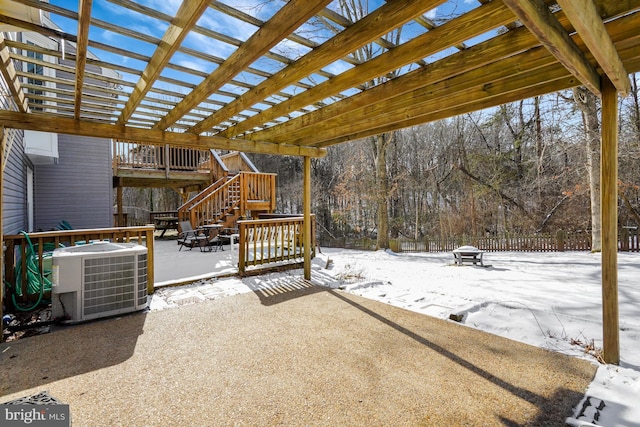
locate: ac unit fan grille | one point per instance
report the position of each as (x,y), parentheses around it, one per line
(109,285)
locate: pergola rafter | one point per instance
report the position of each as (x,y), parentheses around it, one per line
(476,22)
(585,19)
(84,17)
(537,17)
(290,17)
(371,27)
(185,19)
(303,103)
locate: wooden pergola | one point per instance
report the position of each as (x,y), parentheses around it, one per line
(285,79)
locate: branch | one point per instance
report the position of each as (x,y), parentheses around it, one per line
(627,203)
(500,193)
(551,212)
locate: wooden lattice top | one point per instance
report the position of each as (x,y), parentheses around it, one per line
(295,76)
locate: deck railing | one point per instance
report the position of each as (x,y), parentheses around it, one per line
(17,246)
(270,242)
(257,187)
(137,155)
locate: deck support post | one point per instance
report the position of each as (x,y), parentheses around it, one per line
(148,235)
(119,203)
(609,222)
(306,201)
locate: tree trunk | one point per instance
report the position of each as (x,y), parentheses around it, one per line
(635,105)
(539,148)
(380,143)
(587,103)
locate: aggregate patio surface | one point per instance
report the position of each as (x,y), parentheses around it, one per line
(292,354)
(172,265)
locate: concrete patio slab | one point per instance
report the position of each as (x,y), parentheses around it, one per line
(175,266)
(292,354)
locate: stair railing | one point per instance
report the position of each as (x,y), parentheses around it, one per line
(183,211)
(214,204)
(226,200)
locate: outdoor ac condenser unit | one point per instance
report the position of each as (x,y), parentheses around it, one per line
(98,280)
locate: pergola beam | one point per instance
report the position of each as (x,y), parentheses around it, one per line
(586,21)
(537,17)
(454,81)
(287,19)
(185,19)
(70,126)
(424,115)
(466,89)
(468,102)
(476,57)
(84,20)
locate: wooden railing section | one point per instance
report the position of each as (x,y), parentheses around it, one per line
(267,242)
(257,188)
(17,247)
(226,200)
(201,197)
(236,162)
(137,155)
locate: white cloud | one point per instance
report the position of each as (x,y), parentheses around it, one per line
(431,14)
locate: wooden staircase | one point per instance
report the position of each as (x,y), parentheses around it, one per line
(231,198)
(230,186)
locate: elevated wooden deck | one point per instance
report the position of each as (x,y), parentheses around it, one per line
(229,186)
(158,166)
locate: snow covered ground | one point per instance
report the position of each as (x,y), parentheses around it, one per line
(550,300)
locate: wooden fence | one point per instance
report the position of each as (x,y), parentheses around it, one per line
(628,241)
(17,247)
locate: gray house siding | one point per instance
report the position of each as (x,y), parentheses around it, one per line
(14,195)
(78,188)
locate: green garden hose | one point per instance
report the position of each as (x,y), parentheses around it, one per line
(38,281)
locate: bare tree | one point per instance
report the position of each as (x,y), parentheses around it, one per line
(587,103)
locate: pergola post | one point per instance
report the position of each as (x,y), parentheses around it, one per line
(609,221)
(306,202)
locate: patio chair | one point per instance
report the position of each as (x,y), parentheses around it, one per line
(188,237)
(214,241)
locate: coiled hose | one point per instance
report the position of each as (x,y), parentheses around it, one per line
(38,281)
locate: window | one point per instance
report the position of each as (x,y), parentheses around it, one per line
(35,65)
(35,68)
